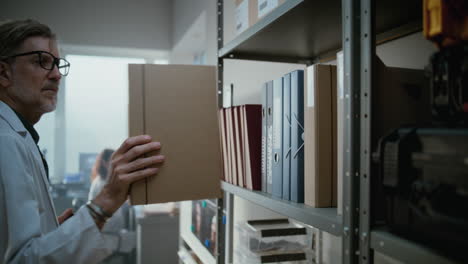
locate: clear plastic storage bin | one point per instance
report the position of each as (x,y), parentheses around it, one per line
(277,235)
(293,257)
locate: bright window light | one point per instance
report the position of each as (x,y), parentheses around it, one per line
(96,105)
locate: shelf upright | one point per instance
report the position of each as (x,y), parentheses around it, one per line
(351,22)
(220,230)
(220,227)
(367,37)
(229,228)
(220,39)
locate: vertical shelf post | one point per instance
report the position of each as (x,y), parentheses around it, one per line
(367,56)
(220,228)
(220,232)
(220,40)
(351,22)
(229,227)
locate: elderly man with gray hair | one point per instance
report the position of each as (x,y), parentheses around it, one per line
(30,73)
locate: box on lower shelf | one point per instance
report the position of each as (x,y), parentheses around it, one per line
(274,241)
(296,257)
(278,235)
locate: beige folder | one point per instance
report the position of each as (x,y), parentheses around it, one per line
(177,105)
(320,137)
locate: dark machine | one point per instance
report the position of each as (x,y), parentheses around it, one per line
(422,171)
(424,177)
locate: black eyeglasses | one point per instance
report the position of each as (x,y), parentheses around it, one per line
(47,61)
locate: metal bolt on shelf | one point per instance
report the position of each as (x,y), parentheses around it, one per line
(364,237)
(346,231)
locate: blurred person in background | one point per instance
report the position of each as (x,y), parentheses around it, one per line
(99,172)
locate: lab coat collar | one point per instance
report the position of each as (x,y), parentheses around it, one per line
(12,119)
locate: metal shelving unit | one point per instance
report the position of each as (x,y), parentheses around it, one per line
(325,219)
(307,31)
(298,41)
(303,31)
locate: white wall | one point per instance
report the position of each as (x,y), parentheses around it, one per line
(249,76)
(410,52)
(185,12)
(194,31)
(143,24)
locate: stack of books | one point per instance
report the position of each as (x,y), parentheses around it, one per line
(241,133)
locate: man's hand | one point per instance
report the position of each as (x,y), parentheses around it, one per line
(127,165)
(65,215)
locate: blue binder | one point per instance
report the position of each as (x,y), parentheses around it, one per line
(297,134)
(286,136)
(277,166)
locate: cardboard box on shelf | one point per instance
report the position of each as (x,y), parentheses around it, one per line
(249,12)
(266,6)
(245,14)
(320,137)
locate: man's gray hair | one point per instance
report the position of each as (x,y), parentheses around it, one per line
(14,32)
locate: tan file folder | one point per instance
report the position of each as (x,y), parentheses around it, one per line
(320,137)
(177,105)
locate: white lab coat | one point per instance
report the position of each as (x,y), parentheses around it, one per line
(29,231)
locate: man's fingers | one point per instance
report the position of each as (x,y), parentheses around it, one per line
(140,164)
(131,142)
(141,150)
(139,175)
